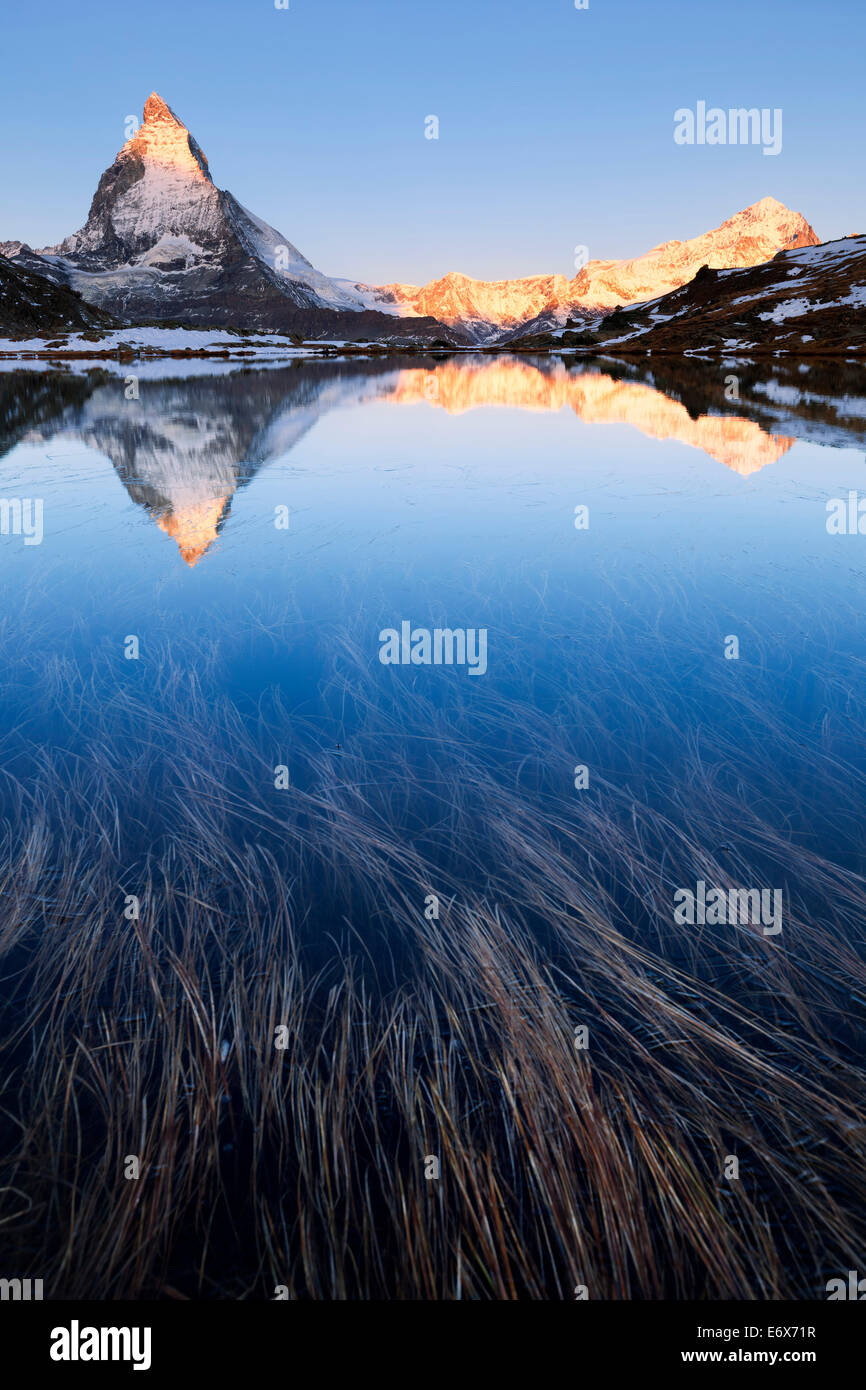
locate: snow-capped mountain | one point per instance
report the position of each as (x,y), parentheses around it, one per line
(162,242)
(805,300)
(500,310)
(482,308)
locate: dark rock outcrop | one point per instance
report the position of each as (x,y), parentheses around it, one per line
(807,301)
(32,306)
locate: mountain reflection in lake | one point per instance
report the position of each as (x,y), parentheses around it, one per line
(286,923)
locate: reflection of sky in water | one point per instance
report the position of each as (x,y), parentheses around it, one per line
(447,505)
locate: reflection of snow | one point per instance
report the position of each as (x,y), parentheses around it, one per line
(852,406)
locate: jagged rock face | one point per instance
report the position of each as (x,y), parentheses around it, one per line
(155,205)
(163,243)
(505,309)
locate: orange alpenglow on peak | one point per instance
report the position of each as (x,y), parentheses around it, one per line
(194,528)
(163,141)
(155,109)
(488,307)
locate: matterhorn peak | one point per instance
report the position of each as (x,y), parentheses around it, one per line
(156,205)
(162,241)
(164,139)
(155,109)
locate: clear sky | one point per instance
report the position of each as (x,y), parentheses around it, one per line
(555,124)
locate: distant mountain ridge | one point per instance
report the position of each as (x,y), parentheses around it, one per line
(482,308)
(502,309)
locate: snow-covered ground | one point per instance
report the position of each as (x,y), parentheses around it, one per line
(796,308)
(267,346)
(212,347)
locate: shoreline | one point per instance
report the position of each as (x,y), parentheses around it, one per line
(317,352)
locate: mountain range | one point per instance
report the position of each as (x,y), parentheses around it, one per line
(162,244)
(500,310)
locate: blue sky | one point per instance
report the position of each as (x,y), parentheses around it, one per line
(556,125)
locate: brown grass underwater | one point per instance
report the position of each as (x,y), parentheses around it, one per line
(409,1037)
